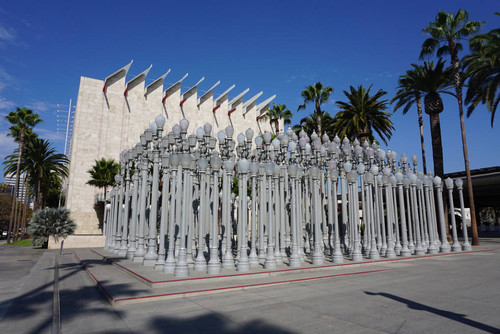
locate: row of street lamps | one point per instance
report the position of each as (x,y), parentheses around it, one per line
(181,205)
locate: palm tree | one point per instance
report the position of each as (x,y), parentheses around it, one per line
(278,111)
(436,80)
(445,35)
(483,71)
(409,93)
(102,173)
(22,121)
(311,124)
(362,115)
(317,95)
(42,164)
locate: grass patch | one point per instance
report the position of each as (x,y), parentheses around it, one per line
(22,243)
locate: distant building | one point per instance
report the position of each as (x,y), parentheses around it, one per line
(10,179)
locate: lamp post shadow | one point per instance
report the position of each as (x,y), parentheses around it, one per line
(462,318)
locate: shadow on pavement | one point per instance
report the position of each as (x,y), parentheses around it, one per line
(446,314)
(211,323)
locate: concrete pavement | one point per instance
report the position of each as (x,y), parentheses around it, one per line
(448,294)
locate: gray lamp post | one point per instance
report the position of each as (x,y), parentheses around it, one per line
(352,177)
(174,162)
(317,257)
(165,193)
(243,262)
(432,249)
(119,215)
(228,260)
(134,215)
(270,262)
(445,246)
(466,245)
(126,214)
(455,247)
(369,181)
(214,265)
(200,262)
(253,258)
(151,256)
(181,267)
(405,251)
(419,250)
(294,256)
(141,251)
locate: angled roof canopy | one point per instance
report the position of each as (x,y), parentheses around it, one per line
(156,83)
(208,92)
(239,96)
(167,91)
(249,102)
(137,79)
(115,74)
(263,106)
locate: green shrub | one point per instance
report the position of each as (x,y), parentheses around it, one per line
(50,222)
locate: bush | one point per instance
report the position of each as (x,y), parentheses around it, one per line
(50,222)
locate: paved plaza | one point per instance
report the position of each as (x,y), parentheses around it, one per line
(457,293)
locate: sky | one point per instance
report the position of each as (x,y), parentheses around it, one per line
(272,46)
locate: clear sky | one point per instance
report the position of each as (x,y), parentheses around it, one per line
(277,47)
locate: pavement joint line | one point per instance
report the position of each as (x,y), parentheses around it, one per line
(271,272)
(56,304)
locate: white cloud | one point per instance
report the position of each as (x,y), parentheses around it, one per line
(6,104)
(40,106)
(48,134)
(7,145)
(6,79)
(7,35)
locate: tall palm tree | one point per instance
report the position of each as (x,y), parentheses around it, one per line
(311,124)
(316,95)
(436,80)
(410,93)
(102,173)
(277,112)
(483,71)
(362,115)
(22,121)
(445,35)
(42,164)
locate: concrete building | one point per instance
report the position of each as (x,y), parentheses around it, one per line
(112,113)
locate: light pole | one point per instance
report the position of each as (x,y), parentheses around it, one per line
(466,245)
(455,247)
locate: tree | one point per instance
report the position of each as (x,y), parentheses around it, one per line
(311,124)
(316,95)
(22,121)
(50,222)
(42,165)
(445,35)
(278,111)
(362,115)
(483,71)
(434,81)
(410,93)
(102,173)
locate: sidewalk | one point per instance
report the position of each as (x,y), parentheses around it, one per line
(457,293)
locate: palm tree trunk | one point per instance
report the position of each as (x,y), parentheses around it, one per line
(25,207)
(421,125)
(277,125)
(16,187)
(458,89)
(437,146)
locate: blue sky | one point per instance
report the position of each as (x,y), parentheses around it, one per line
(272,46)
